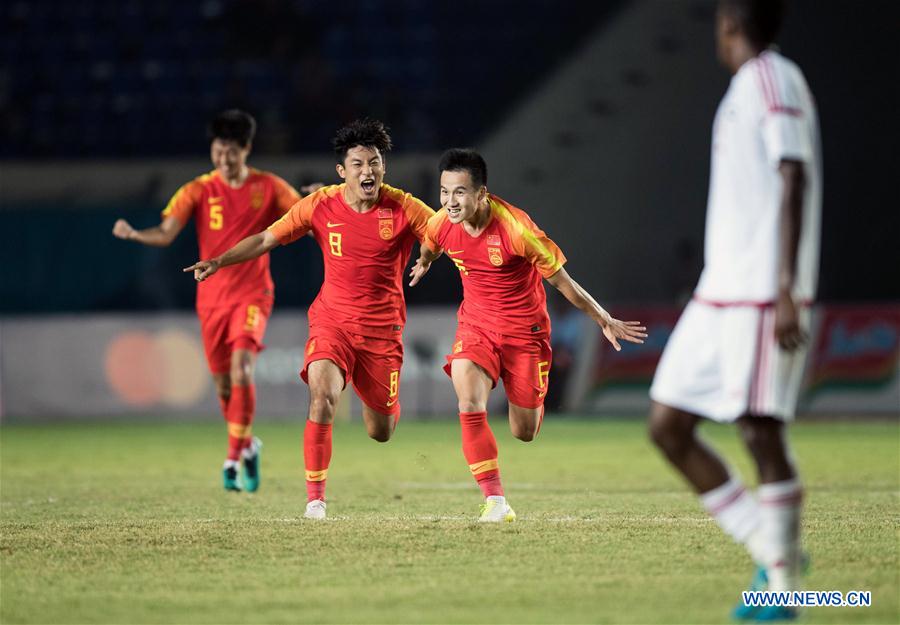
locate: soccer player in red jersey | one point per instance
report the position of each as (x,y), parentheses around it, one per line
(504,328)
(366,231)
(227,204)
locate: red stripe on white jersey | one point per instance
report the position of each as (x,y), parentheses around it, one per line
(768,72)
(763,86)
(757,355)
(786,110)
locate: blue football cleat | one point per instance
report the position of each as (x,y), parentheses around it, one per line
(229,479)
(251,466)
(759,582)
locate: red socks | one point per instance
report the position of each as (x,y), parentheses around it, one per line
(239,409)
(480,449)
(317,457)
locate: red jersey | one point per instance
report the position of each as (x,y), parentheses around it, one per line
(501,269)
(224,216)
(364,253)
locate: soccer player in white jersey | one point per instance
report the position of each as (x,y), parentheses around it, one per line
(738,350)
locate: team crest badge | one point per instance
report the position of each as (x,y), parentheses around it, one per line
(256,196)
(385,226)
(311,347)
(457,347)
(493,240)
(495,256)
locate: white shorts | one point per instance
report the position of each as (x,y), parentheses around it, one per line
(723,362)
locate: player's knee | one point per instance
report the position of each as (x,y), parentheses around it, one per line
(470,404)
(223,388)
(322,403)
(241,372)
(670,437)
(379,433)
(762,436)
(524,432)
(241,376)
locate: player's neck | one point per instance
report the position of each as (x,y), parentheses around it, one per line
(741,52)
(479,221)
(359,204)
(239,180)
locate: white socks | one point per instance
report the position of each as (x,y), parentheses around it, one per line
(734,508)
(779,504)
(770,529)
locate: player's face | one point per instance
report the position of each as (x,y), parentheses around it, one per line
(459,196)
(229,158)
(363,170)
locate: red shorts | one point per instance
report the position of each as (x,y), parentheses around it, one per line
(372,364)
(522,363)
(224,328)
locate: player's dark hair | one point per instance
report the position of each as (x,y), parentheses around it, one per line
(368,133)
(465,159)
(760,20)
(233,125)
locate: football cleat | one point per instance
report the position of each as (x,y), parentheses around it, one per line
(315,510)
(230,478)
(250,474)
(760,582)
(496,510)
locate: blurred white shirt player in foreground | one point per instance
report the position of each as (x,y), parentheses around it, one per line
(738,351)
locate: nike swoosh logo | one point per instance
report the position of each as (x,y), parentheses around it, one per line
(453,253)
(331,225)
(542,394)
(391,403)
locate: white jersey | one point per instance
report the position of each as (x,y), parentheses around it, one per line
(767,115)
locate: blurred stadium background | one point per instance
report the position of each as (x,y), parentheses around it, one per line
(595,117)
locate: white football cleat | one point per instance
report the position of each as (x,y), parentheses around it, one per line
(496,510)
(315,510)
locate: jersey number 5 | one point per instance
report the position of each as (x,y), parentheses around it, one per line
(215,217)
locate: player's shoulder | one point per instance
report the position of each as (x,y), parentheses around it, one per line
(393,197)
(261,175)
(510,216)
(439,221)
(204,181)
(774,79)
(323,194)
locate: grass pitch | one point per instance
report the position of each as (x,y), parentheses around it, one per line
(129,524)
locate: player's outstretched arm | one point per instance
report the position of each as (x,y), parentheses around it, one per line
(423,264)
(158,236)
(613,329)
(252,247)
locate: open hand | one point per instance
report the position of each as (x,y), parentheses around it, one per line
(631,331)
(418,270)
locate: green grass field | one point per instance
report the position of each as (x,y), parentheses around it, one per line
(128,524)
